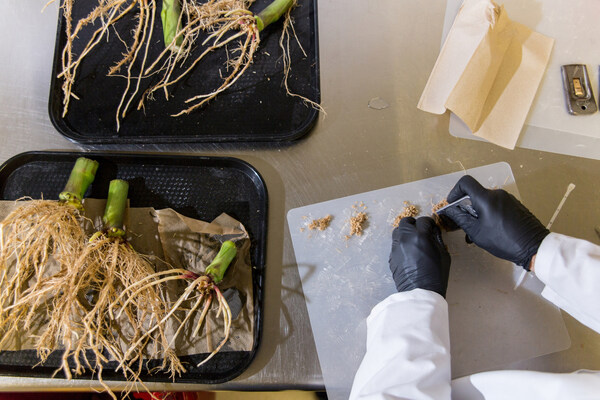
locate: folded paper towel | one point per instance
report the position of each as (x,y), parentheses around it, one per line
(488,72)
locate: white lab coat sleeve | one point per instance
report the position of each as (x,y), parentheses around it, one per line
(408,349)
(527,385)
(570,269)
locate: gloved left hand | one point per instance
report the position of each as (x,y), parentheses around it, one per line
(419,259)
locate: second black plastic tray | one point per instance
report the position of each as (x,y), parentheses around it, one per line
(198,187)
(255,109)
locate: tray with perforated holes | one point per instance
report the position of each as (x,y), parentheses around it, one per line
(256,109)
(198,187)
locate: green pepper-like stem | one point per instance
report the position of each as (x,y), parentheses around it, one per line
(171,21)
(272,13)
(217,268)
(82,175)
(116,204)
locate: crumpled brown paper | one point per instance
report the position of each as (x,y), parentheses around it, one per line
(184,243)
(488,72)
(192,244)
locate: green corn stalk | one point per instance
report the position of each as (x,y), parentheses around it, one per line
(171,21)
(272,13)
(82,175)
(116,204)
(217,268)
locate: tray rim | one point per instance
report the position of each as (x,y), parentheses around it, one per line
(259,269)
(75,137)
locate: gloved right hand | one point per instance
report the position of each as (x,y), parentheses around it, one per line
(504,227)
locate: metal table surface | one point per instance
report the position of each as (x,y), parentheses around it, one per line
(368,49)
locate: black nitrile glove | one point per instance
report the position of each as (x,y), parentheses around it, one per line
(419,259)
(503,227)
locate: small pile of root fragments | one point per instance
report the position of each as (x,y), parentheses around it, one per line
(320,223)
(409,210)
(192,29)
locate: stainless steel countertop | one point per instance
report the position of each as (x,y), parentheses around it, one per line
(368,49)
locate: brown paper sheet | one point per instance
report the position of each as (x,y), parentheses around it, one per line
(468,30)
(498,84)
(185,243)
(470,95)
(192,244)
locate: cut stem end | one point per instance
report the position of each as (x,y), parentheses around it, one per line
(217,268)
(82,175)
(272,13)
(116,204)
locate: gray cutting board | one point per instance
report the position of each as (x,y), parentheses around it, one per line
(491,323)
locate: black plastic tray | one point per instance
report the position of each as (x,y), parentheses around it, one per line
(198,187)
(255,109)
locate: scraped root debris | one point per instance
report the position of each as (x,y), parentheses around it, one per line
(358,220)
(321,223)
(434,208)
(409,210)
(438,205)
